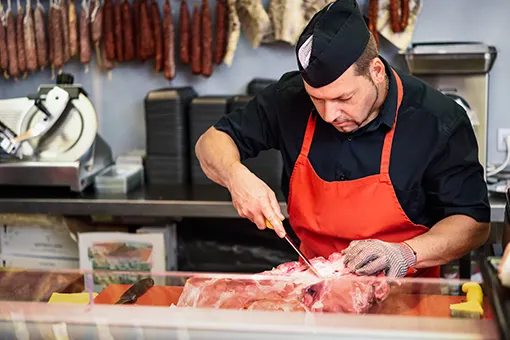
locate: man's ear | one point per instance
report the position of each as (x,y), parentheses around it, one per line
(377,70)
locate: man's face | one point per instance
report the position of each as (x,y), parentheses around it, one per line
(348,103)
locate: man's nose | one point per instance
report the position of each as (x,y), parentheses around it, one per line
(331,112)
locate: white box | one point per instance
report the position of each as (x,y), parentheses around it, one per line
(142,254)
(34,240)
(27,262)
(170,236)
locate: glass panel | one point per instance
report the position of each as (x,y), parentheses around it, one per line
(224,305)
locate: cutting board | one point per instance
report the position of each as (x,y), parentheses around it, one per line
(430,305)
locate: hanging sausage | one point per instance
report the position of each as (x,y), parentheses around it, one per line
(96,27)
(127,24)
(373,12)
(73,29)
(29,38)
(221,31)
(4,56)
(20,41)
(66,44)
(85,48)
(184,34)
(108,31)
(196,41)
(40,36)
(206,38)
(169,42)
(11,43)
(158,36)
(399,21)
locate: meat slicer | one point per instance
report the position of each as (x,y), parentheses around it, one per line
(51,138)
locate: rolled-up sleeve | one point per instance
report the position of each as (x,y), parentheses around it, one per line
(454,181)
(254,127)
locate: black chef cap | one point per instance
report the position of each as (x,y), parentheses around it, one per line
(331,42)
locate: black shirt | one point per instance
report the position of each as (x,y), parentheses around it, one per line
(434,164)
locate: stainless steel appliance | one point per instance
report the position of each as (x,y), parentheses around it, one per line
(51,138)
(461,71)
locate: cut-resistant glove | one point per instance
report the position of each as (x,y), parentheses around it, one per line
(370,257)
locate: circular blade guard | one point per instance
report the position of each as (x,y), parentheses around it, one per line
(71,138)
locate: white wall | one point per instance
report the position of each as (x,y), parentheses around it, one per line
(119,102)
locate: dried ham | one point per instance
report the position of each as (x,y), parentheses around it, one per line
(339,291)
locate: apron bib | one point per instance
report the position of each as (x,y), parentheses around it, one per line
(327,216)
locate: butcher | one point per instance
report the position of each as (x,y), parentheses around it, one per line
(378,165)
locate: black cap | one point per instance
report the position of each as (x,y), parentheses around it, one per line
(332,41)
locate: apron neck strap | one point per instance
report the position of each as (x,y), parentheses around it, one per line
(310,129)
(388,140)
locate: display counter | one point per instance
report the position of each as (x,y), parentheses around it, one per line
(220,306)
(157,201)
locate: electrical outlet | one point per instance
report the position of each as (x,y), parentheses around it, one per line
(502,134)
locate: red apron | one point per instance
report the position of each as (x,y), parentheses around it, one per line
(327,216)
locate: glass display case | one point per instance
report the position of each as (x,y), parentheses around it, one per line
(178,305)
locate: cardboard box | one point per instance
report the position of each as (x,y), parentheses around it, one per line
(35,240)
(42,263)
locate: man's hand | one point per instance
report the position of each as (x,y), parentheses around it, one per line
(369,257)
(253,199)
(506,257)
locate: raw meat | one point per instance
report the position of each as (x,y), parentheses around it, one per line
(296,289)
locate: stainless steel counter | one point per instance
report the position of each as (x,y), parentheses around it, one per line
(161,201)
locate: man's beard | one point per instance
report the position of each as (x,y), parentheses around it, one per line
(369,113)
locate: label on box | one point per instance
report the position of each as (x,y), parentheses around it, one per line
(38,241)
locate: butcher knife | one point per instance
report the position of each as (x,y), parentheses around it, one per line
(301,255)
(131,295)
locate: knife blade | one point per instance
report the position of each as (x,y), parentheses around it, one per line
(139,288)
(301,255)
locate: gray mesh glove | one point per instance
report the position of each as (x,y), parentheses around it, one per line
(369,257)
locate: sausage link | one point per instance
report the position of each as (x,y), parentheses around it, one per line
(146,36)
(4,57)
(73,29)
(40,36)
(106,63)
(51,35)
(404,14)
(29,38)
(395,25)
(221,31)
(66,46)
(119,39)
(169,42)
(152,44)
(11,44)
(137,30)
(184,32)
(96,23)
(373,10)
(127,23)
(85,48)
(206,25)
(158,36)
(196,53)
(58,38)
(108,32)
(20,41)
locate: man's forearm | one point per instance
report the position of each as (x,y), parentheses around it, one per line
(448,240)
(217,154)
